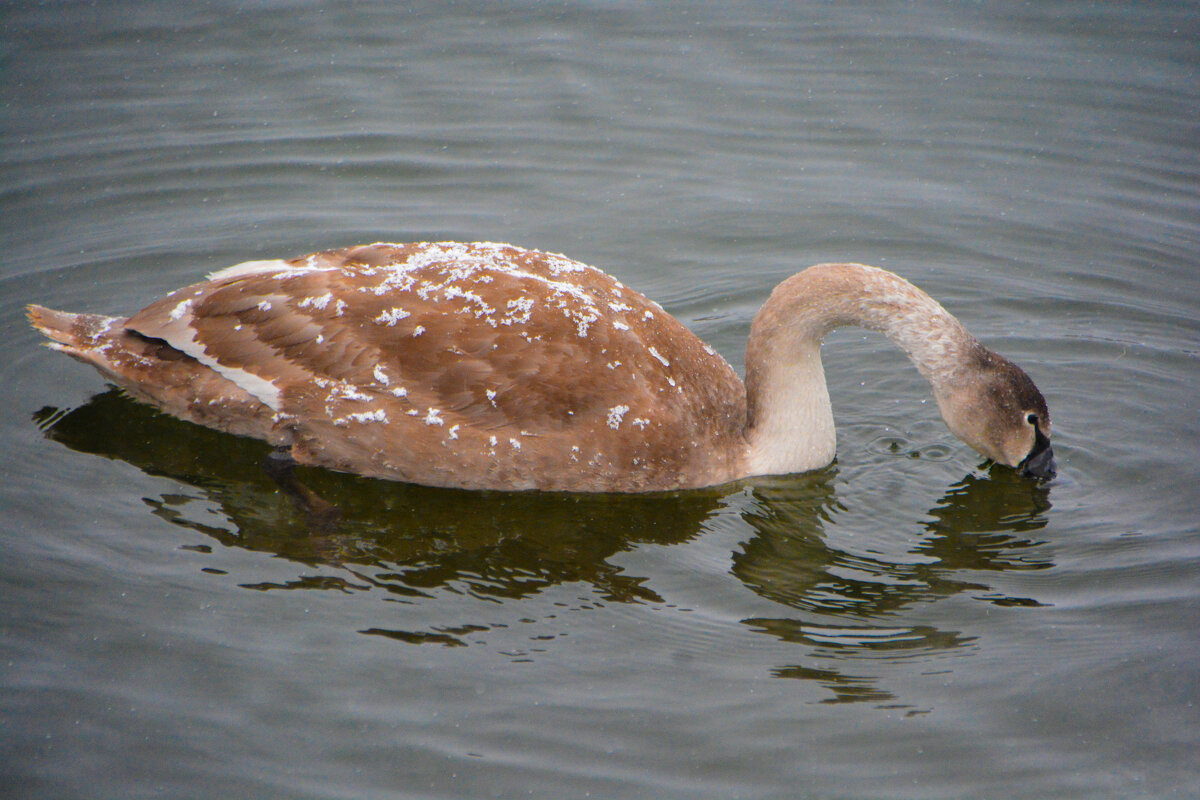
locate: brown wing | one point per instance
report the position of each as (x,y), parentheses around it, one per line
(466,365)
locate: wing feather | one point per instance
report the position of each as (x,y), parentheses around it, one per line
(451,345)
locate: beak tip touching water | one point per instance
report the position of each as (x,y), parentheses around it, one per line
(1040,465)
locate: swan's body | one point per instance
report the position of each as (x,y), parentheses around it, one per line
(491,367)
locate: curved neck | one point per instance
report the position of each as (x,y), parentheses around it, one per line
(789,424)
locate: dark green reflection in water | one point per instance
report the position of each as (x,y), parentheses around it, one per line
(411,541)
(850,604)
(486,544)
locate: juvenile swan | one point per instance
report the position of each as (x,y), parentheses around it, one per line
(486,366)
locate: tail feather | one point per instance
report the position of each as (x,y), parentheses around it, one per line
(152,371)
(84,337)
(71,333)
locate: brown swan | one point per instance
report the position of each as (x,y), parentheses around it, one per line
(487,366)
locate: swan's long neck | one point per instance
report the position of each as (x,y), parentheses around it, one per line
(789,417)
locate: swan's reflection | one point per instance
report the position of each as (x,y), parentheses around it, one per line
(404,539)
(412,542)
(850,604)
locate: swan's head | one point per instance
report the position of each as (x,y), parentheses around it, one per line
(992,405)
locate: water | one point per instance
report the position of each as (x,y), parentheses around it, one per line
(903,624)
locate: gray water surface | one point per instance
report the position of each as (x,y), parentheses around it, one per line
(906,623)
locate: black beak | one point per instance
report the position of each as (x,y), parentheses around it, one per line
(1040,461)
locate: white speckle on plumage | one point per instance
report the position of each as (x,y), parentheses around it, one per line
(318,303)
(520,311)
(516,445)
(659,356)
(453,432)
(400,391)
(180,310)
(583,321)
(432,418)
(348,391)
(482,311)
(265,305)
(417,331)
(391,316)
(378,415)
(380,375)
(615,415)
(621,326)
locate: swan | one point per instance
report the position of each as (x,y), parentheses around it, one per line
(488,366)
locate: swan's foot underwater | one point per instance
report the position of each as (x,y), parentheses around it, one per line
(320,513)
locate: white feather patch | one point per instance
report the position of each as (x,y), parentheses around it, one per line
(258,387)
(250,268)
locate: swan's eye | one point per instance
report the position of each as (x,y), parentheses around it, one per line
(1032,419)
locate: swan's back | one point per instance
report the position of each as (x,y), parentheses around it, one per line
(479,366)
